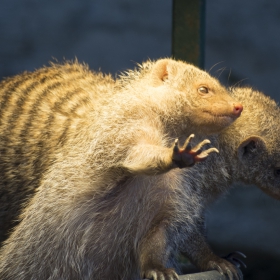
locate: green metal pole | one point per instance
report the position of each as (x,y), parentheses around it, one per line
(188,29)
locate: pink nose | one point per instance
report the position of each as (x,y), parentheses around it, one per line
(237,109)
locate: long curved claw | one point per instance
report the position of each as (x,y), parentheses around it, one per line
(198,147)
(176,146)
(237,253)
(205,154)
(217,267)
(230,275)
(234,258)
(187,145)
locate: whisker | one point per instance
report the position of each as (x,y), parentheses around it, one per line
(214,66)
(238,82)
(221,70)
(229,75)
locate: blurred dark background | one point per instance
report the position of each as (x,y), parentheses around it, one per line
(241,47)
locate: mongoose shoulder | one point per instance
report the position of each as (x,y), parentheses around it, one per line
(101,154)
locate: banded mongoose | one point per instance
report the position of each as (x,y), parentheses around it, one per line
(103,155)
(249,153)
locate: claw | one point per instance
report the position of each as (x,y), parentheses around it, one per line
(236,276)
(205,154)
(200,145)
(230,275)
(176,148)
(214,265)
(166,274)
(211,150)
(201,157)
(238,263)
(187,145)
(232,257)
(236,253)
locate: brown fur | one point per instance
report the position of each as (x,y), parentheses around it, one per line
(99,150)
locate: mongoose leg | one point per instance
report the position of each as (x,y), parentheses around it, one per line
(188,156)
(199,252)
(226,268)
(153,254)
(152,159)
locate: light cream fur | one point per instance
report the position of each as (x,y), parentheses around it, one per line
(108,204)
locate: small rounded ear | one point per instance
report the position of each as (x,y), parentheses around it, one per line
(251,147)
(161,71)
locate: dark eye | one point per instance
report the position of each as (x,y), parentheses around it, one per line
(203,90)
(277,172)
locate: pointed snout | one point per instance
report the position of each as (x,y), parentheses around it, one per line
(237,109)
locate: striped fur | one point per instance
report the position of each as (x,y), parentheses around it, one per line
(38,112)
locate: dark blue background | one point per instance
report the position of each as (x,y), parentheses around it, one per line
(242,38)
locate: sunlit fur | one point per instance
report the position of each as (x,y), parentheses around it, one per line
(98,152)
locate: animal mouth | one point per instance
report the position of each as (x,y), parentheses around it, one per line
(219,116)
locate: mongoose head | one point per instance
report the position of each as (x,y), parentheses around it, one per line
(199,98)
(258,150)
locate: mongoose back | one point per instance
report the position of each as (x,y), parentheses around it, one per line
(38,111)
(96,149)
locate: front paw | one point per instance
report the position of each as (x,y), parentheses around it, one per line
(226,267)
(188,156)
(161,274)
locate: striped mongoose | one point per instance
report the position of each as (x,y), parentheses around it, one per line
(102,154)
(248,153)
